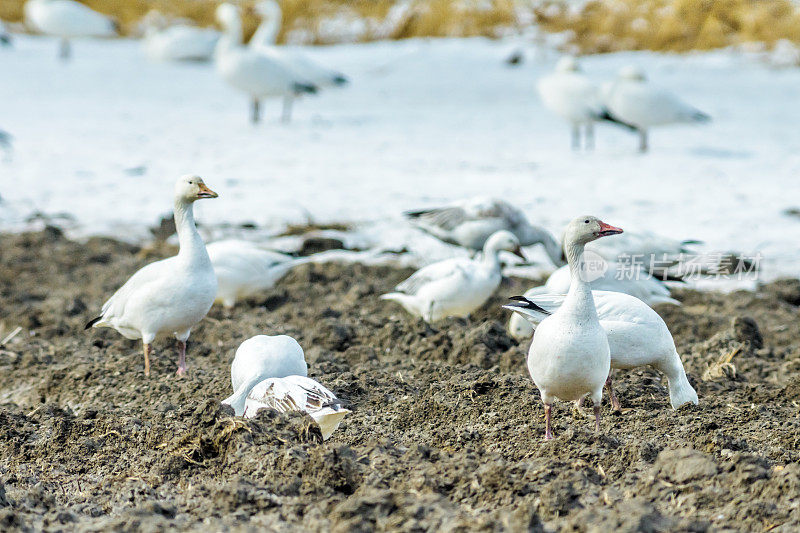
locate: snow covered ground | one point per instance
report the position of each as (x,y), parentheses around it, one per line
(423,122)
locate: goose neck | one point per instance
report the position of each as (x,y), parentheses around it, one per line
(580,292)
(239,398)
(191,244)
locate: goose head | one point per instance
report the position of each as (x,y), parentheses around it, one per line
(631,73)
(503,240)
(227,15)
(586,229)
(190,188)
(268,10)
(568,64)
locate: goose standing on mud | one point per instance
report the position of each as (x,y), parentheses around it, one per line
(458,286)
(575,98)
(635,282)
(633,101)
(244,269)
(170,296)
(637,336)
(257,73)
(265,39)
(570,356)
(271,372)
(67,19)
(470,223)
(176,42)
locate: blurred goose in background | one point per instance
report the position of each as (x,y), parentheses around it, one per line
(470,223)
(655,253)
(265,39)
(172,295)
(164,41)
(67,19)
(633,101)
(569,356)
(457,286)
(627,279)
(575,98)
(5,144)
(637,336)
(258,73)
(244,269)
(5,37)
(271,372)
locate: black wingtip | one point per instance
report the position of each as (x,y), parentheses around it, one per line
(415,214)
(340,80)
(701,117)
(524,303)
(301,88)
(608,117)
(92,322)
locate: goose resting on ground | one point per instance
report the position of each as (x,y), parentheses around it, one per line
(639,284)
(633,101)
(637,336)
(170,296)
(177,42)
(67,19)
(243,269)
(457,286)
(256,72)
(575,98)
(470,223)
(271,372)
(570,356)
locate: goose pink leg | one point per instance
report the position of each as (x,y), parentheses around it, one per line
(148,349)
(597,417)
(181,358)
(548,431)
(615,405)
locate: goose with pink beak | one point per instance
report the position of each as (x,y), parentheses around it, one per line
(569,356)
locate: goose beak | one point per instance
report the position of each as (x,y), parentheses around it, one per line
(518,252)
(607,229)
(205,192)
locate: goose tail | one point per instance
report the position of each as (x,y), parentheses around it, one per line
(92,323)
(328,419)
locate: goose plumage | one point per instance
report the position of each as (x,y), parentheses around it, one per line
(170,296)
(471,222)
(570,356)
(571,95)
(636,281)
(244,269)
(458,286)
(257,72)
(177,42)
(271,372)
(633,101)
(67,19)
(637,336)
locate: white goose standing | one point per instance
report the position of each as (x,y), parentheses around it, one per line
(258,73)
(569,356)
(568,93)
(457,286)
(271,372)
(471,222)
(637,336)
(633,101)
(67,19)
(170,296)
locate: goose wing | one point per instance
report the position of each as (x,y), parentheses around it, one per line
(449,268)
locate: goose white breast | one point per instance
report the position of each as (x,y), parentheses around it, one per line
(168,296)
(470,223)
(637,336)
(271,372)
(455,287)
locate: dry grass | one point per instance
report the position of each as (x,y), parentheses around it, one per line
(601,26)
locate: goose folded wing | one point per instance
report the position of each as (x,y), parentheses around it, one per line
(432,273)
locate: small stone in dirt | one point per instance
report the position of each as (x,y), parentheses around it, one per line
(314,245)
(3,500)
(684,465)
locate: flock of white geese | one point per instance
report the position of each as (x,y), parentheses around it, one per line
(584,327)
(261,70)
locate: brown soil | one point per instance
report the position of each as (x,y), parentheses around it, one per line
(445,430)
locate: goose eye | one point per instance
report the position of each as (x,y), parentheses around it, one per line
(586,221)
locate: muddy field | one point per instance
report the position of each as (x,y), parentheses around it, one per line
(445,431)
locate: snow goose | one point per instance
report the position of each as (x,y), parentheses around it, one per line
(470,223)
(457,286)
(172,295)
(656,253)
(575,98)
(271,372)
(243,269)
(256,72)
(569,356)
(637,336)
(67,19)
(632,280)
(266,37)
(177,42)
(631,100)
